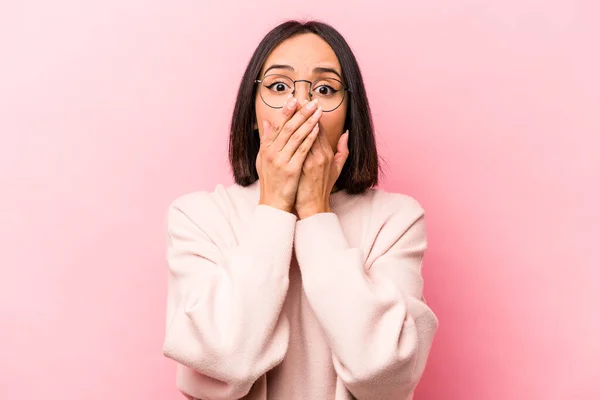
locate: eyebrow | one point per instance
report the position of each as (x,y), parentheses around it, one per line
(316,70)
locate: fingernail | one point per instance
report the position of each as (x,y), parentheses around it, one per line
(291,104)
(312,105)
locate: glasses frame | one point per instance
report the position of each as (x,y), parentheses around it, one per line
(310,90)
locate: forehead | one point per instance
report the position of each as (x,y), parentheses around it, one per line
(303,52)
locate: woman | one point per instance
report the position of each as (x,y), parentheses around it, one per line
(300,281)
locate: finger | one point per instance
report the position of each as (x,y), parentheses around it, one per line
(289,108)
(300,134)
(305,147)
(324,144)
(340,157)
(290,127)
(286,112)
(266,131)
(342,146)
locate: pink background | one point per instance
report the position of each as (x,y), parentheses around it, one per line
(487,112)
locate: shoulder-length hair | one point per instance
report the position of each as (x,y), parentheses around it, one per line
(361,170)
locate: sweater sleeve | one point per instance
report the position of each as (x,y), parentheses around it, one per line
(224,322)
(372,311)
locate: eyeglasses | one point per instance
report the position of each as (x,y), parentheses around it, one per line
(275,89)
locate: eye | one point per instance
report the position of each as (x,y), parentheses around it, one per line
(278,87)
(324,90)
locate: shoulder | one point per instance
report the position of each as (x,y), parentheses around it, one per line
(392,217)
(384,205)
(396,220)
(194,204)
(204,208)
(381,218)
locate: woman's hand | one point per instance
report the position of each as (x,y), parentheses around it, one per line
(284,145)
(320,171)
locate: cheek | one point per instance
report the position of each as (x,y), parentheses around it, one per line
(262,113)
(333,125)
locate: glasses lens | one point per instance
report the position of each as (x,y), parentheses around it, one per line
(275,89)
(330,93)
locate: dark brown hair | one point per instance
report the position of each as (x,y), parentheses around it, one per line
(361,170)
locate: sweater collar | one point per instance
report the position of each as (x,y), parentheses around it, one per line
(339,199)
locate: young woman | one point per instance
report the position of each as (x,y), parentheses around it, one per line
(301,281)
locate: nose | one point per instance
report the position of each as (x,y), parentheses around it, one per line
(302,91)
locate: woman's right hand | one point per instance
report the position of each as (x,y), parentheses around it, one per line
(284,145)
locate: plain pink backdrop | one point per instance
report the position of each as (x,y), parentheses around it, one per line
(486,112)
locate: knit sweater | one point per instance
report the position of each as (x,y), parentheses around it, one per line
(264,306)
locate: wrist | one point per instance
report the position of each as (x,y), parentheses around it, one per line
(307,212)
(277,204)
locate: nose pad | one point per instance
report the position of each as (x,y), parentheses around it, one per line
(302,96)
(302,92)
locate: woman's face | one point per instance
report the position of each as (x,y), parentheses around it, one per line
(303,53)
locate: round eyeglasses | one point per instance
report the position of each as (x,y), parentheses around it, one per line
(275,89)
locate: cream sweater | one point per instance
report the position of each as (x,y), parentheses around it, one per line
(264,306)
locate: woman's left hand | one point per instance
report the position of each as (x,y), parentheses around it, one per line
(320,171)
